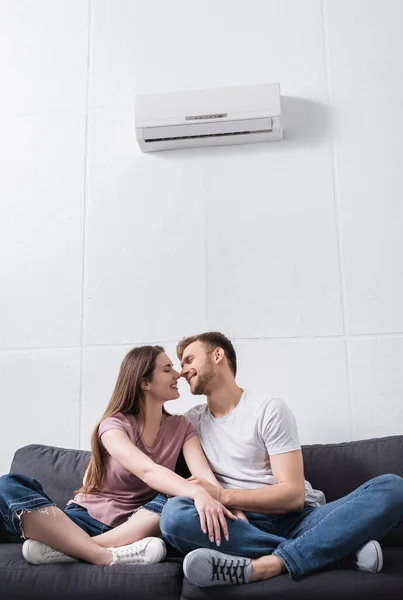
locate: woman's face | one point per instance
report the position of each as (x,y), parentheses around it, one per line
(164,384)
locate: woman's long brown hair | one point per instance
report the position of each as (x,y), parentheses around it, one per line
(127,397)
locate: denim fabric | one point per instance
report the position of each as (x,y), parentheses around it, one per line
(306,541)
(20,494)
(156,504)
(81,517)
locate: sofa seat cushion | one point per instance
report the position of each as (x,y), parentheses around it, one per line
(20,580)
(334,584)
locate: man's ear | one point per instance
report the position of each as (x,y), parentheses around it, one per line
(219,355)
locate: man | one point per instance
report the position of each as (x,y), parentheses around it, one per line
(251,443)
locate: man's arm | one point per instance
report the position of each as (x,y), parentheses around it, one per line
(287,495)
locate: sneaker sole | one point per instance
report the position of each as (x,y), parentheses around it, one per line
(379,555)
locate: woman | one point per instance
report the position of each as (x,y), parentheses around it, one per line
(114,517)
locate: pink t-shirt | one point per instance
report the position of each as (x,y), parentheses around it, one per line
(123,492)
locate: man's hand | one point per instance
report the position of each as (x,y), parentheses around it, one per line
(240,515)
(213,490)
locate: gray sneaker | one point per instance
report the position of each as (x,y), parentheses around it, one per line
(369,557)
(205,568)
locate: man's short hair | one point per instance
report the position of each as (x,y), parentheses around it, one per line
(213,340)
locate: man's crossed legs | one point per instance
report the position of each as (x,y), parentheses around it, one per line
(299,542)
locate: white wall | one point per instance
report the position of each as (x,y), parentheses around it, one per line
(292,249)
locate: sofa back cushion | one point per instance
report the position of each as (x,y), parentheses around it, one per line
(60,471)
(338,469)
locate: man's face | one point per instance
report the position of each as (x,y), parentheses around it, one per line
(197,367)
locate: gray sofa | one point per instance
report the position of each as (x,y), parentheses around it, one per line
(337,469)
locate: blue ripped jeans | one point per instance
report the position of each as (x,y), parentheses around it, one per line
(306,541)
(20,494)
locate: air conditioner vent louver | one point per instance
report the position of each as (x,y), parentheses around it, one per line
(207,130)
(206,135)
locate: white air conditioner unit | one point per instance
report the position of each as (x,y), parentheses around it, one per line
(212,117)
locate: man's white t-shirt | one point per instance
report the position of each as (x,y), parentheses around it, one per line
(238,446)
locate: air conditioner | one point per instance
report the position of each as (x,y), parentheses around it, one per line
(211,117)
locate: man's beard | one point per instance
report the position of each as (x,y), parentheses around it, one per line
(204,377)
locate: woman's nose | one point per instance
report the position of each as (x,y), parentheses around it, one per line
(177,375)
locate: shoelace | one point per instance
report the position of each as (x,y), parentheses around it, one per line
(232,569)
(48,551)
(129,553)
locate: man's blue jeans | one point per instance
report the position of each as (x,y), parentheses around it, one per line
(306,541)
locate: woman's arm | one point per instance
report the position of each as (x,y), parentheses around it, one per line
(197,462)
(159,478)
(200,469)
(122,449)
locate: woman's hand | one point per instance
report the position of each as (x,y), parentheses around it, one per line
(212,516)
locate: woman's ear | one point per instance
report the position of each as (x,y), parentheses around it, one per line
(145,385)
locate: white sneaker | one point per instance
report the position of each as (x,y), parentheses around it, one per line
(369,557)
(37,553)
(148,551)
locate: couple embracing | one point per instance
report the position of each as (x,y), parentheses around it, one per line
(246,513)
